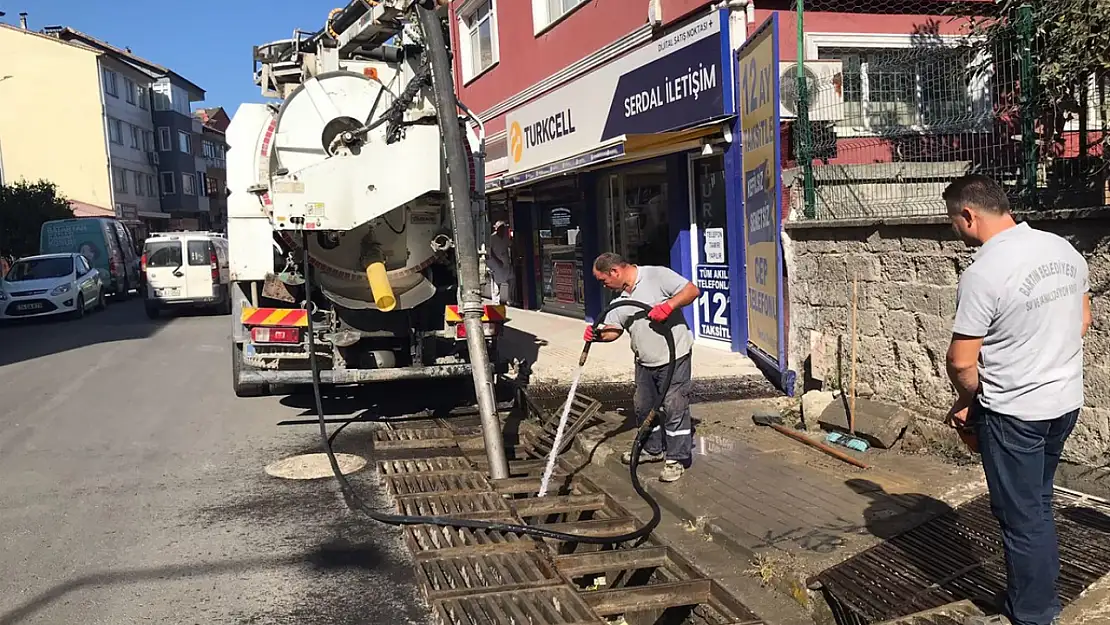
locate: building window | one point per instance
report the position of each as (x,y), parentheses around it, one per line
(164,139)
(139,180)
(161,97)
(110,85)
(150,189)
(136,137)
(144,98)
(148,141)
(889,85)
(184,142)
(202,180)
(212,185)
(547,12)
(119,180)
(166,178)
(207,149)
(115,130)
(478,30)
(188,184)
(129,90)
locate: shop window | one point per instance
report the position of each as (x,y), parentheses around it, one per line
(561,257)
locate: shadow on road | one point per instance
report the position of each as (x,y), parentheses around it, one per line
(336,554)
(29,339)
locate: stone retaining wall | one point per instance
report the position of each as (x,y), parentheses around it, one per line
(907,271)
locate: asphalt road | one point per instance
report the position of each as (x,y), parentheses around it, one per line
(132,488)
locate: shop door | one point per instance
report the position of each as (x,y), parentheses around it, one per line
(709,251)
(634,203)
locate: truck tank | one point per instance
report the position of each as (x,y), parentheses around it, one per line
(353,158)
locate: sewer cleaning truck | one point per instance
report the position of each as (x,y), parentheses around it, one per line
(344,196)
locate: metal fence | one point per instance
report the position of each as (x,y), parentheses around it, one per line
(878,124)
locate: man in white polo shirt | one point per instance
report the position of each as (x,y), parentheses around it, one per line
(1016,360)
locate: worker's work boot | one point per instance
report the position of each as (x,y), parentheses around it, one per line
(671,471)
(645,457)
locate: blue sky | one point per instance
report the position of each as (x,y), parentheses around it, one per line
(208,42)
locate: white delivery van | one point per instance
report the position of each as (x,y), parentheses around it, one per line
(186,269)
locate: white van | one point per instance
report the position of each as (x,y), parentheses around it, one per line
(185,269)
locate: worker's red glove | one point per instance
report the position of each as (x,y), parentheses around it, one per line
(660,313)
(589,335)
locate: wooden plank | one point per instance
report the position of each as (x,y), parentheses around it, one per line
(654,597)
(416,443)
(615,560)
(543,506)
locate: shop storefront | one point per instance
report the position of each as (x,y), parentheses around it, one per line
(629,158)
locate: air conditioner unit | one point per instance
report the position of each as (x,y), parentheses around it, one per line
(825,90)
(152,158)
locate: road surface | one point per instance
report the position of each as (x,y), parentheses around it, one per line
(133,490)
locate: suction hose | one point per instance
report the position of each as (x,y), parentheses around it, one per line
(354,502)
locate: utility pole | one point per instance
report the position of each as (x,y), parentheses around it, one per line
(466,244)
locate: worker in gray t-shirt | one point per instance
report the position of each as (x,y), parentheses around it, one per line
(666,291)
(1016,360)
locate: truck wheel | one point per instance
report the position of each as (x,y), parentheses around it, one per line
(242,390)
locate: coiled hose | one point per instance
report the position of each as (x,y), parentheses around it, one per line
(354,502)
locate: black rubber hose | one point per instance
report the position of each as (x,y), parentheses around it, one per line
(354,502)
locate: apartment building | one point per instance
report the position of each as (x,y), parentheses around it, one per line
(615,126)
(175,156)
(214,153)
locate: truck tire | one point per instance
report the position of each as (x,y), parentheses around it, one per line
(242,390)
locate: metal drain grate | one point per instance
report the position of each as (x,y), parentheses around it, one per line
(429,541)
(958,556)
(425,465)
(452,577)
(542,606)
(414,438)
(951,614)
(416,483)
(476,505)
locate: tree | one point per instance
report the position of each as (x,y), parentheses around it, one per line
(24,207)
(1069,45)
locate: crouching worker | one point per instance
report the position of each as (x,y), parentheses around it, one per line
(666,292)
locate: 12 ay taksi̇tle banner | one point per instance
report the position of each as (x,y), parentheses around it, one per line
(673,82)
(758,102)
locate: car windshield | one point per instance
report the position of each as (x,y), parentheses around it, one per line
(40,269)
(163,254)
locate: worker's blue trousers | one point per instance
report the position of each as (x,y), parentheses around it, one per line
(1020,459)
(675,435)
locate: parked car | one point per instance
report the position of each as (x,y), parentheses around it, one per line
(50,284)
(105,242)
(185,269)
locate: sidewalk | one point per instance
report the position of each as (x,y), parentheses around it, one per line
(788,513)
(552,344)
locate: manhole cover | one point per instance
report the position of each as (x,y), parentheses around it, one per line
(314,466)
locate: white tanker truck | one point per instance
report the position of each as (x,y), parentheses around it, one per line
(351,163)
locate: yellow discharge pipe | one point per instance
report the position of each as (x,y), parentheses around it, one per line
(380,288)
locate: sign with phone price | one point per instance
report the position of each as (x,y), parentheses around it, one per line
(713,303)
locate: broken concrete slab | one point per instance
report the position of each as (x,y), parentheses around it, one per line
(879,424)
(814,404)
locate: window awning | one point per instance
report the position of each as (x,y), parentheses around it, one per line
(621,149)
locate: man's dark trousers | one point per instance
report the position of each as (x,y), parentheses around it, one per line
(1020,460)
(676,409)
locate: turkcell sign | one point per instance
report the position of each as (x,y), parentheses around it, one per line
(674,82)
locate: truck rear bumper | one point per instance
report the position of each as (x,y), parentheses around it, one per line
(356,376)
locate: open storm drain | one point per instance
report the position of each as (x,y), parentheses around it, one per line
(313,466)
